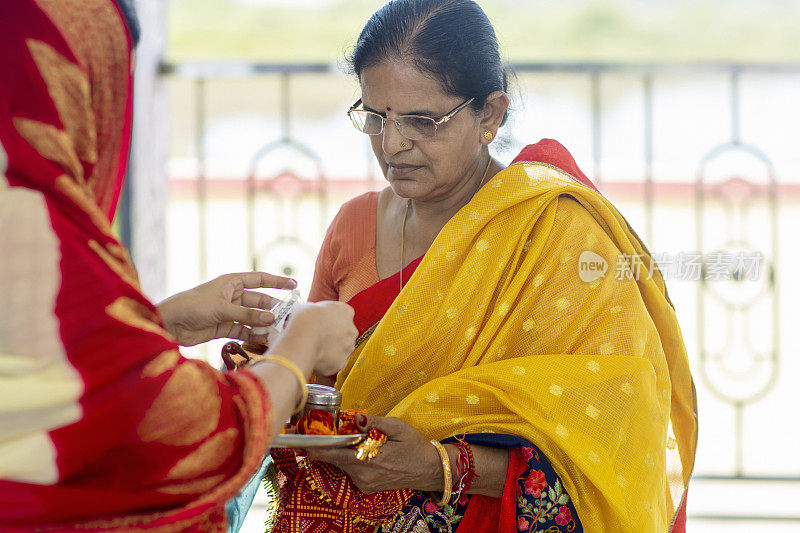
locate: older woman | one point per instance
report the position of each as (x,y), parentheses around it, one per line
(562,394)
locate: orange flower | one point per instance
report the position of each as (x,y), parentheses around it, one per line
(317,422)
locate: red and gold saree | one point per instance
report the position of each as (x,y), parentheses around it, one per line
(103,425)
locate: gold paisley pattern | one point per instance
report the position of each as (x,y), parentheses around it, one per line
(83,197)
(52,143)
(130,312)
(68,86)
(207,457)
(196,486)
(118,260)
(162,363)
(100,43)
(186,410)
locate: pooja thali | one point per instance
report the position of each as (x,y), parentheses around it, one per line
(288,440)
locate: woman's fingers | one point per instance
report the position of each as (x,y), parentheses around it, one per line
(258,300)
(392,426)
(245,315)
(262,280)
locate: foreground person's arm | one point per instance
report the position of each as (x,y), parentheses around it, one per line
(320,338)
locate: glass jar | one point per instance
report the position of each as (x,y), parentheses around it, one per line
(321,413)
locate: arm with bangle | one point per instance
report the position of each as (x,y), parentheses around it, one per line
(483,473)
(319,338)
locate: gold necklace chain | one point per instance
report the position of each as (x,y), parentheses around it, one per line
(405,217)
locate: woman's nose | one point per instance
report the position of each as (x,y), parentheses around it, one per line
(393,141)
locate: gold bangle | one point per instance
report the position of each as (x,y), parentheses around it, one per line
(448,477)
(289,365)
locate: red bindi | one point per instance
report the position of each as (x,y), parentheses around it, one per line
(388,109)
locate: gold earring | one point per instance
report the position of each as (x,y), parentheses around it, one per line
(488,135)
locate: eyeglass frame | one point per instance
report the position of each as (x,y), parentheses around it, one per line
(436,123)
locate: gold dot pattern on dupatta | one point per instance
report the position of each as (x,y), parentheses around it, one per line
(450,256)
(566,257)
(432,397)
(591,240)
(470,333)
(556,390)
(457,420)
(482,245)
(648,460)
(503,309)
(439,295)
(518,370)
(527,245)
(665,393)
(186,410)
(473,399)
(621,481)
(538,280)
(606,348)
(616,309)
(627,388)
(594,284)
(390,350)
(593,366)
(593,457)
(474,214)
(671,444)
(452,312)
(497,183)
(561,431)
(592,412)
(562,303)
(501,351)
(528,325)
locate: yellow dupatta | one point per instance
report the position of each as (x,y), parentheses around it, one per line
(497,332)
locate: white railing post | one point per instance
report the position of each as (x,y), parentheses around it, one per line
(148,160)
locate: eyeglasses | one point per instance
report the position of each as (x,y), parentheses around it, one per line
(412,127)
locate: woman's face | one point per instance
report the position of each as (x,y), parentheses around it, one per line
(428,170)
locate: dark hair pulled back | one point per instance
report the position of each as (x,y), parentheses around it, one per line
(451,40)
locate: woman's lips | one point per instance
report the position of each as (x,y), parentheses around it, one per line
(400,171)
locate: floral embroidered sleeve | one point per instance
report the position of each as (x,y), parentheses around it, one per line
(542,502)
(534,500)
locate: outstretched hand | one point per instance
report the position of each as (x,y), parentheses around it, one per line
(222,308)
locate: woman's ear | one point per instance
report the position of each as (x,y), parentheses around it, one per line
(494,109)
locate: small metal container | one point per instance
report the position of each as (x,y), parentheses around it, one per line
(324,398)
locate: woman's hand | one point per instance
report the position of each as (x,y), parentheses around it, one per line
(406,460)
(222,308)
(328,328)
